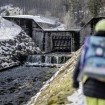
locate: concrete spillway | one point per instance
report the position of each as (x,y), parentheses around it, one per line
(50,60)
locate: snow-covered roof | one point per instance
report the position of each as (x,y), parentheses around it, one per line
(62,29)
(8,30)
(38,19)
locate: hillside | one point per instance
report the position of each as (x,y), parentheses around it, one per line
(55,8)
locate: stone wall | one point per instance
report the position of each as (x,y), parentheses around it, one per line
(13,51)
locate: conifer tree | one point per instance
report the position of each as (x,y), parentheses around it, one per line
(94,7)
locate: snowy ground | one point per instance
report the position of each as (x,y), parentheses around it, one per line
(77,98)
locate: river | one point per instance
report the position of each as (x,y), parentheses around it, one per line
(19,84)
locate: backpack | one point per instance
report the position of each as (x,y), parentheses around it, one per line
(92,61)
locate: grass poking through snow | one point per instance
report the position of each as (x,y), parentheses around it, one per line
(60,87)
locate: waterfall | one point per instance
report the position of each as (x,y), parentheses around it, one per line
(46,60)
(54,60)
(34,59)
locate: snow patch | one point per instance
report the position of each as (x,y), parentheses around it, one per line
(77,98)
(8,30)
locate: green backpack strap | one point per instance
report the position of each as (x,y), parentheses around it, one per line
(84,79)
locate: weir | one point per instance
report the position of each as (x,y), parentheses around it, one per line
(49,60)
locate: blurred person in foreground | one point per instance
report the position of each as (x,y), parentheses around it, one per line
(90,68)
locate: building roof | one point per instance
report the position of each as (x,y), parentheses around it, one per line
(38,19)
(92,20)
(72,30)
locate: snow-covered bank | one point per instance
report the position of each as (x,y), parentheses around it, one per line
(14,43)
(8,30)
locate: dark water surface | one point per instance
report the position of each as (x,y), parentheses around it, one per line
(19,84)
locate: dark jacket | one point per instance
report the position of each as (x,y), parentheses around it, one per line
(92,87)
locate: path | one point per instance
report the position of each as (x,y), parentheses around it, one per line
(77,98)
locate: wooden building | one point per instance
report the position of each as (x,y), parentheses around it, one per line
(61,41)
(49,40)
(26,23)
(88,29)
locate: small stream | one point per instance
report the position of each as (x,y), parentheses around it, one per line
(19,84)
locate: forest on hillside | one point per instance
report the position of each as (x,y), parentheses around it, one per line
(71,12)
(45,7)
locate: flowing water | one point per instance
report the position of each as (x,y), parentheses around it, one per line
(47,60)
(19,84)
